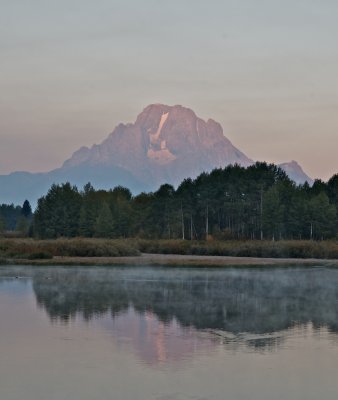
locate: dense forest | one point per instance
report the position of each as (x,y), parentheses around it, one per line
(258,202)
(16,218)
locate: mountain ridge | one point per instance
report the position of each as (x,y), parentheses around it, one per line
(165,144)
(164,141)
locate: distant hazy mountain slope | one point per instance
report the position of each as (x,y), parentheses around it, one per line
(18,186)
(296,173)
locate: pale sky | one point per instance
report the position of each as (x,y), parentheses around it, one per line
(267,70)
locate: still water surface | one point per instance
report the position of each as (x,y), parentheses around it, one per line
(168,334)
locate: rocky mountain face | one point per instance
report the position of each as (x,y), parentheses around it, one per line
(165,145)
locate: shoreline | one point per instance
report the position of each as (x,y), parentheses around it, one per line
(176,260)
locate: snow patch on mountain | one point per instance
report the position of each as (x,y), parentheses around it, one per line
(155,136)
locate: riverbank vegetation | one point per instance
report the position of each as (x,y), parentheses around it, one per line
(325,249)
(32,249)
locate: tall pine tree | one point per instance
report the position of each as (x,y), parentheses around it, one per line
(104,223)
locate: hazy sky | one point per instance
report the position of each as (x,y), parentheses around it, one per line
(267,70)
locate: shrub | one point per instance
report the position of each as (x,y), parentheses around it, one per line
(40,255)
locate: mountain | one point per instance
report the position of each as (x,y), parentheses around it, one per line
(165,145)
(296,173)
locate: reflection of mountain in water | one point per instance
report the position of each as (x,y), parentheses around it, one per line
(153,340)
(235,301)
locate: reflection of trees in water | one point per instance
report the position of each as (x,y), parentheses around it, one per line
(253,301)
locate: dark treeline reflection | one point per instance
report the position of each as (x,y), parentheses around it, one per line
(253,301)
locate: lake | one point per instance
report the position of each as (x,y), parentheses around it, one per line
(126,333)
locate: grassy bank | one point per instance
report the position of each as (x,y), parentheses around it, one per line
(47,249)
(100,251)
(176,260)
(253,248)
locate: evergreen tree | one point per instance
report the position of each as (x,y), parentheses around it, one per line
(120,201)
(332,189)
(2,224)
(87,218)
(26,209)
(322,216)
(23,225)
(10,213)
(58,212)
(297,215)
(88,212)
(273,211)
(104,223)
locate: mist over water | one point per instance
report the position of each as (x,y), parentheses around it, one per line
(168,333)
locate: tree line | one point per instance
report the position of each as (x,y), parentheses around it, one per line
(16,218)
(257,202)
